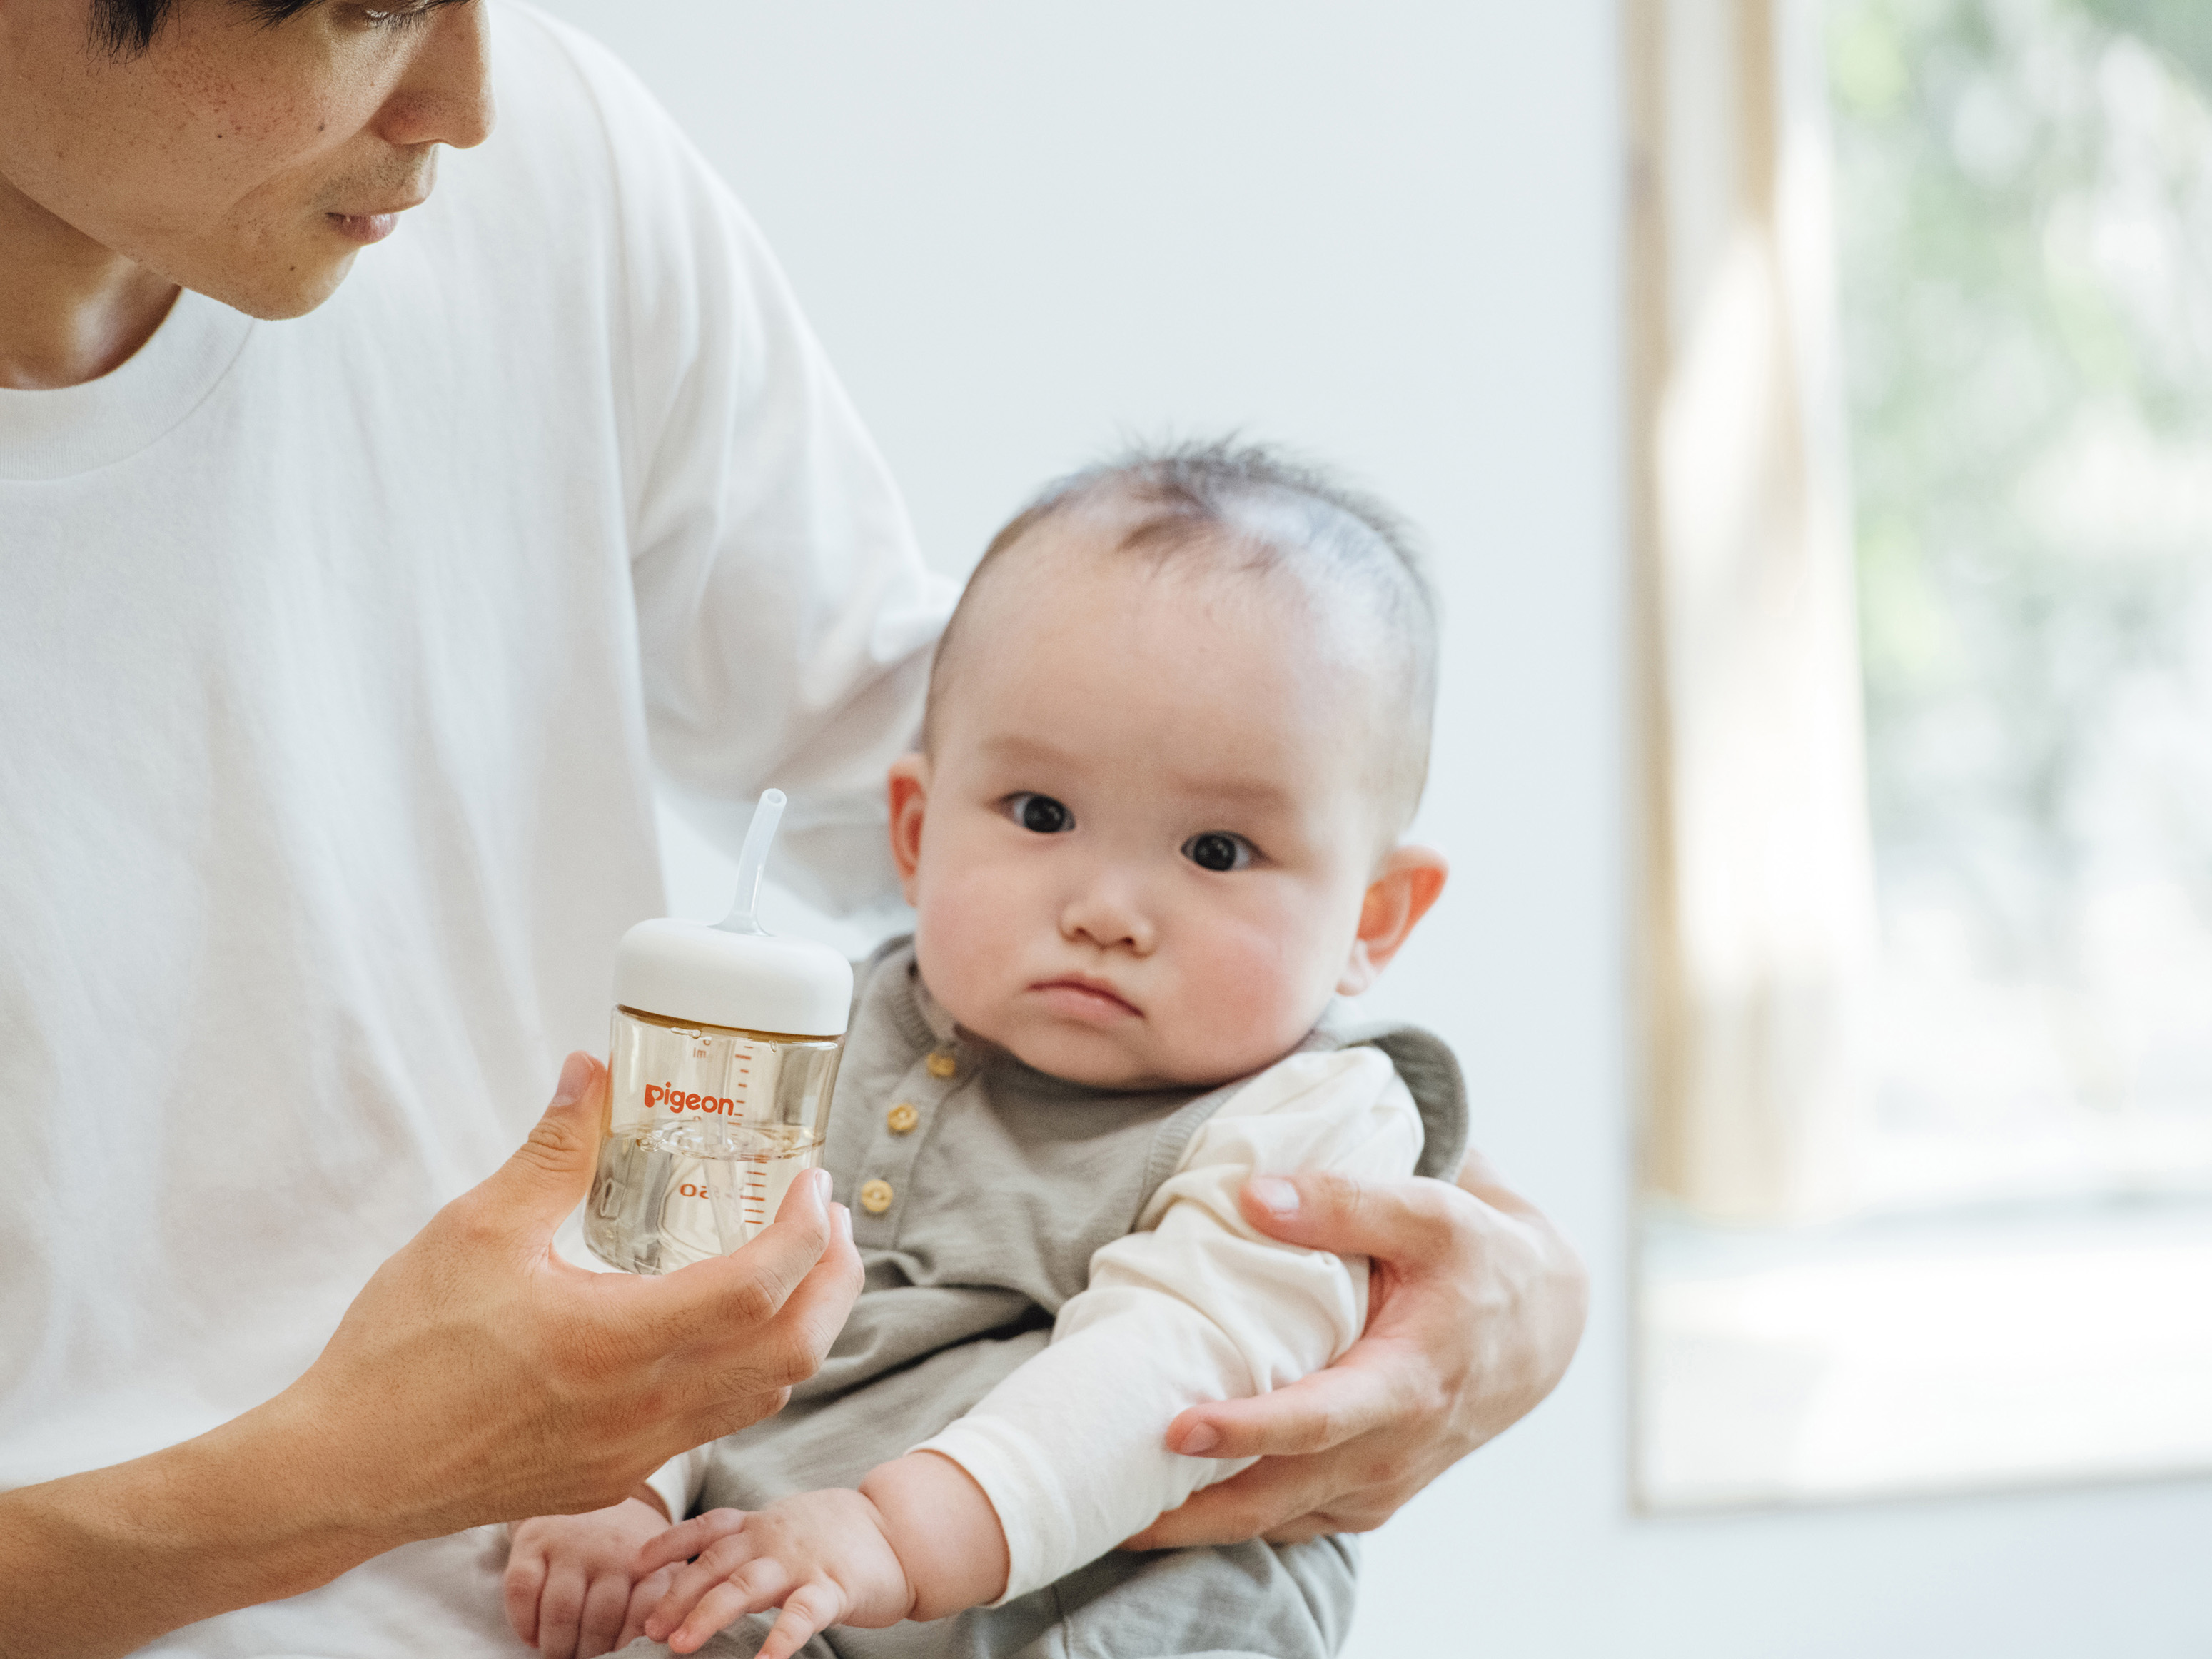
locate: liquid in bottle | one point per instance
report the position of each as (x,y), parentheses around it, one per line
(720,1067)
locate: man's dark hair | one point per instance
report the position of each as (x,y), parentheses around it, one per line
(1257,509)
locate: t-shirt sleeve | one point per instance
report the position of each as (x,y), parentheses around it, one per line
(1195,1305)
(785,619)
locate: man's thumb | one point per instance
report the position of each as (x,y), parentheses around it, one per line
(1398,1221)
(550,1172)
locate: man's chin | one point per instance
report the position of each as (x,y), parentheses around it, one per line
(277,295)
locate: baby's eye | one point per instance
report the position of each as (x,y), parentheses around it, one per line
(1041,813)
(1217,849)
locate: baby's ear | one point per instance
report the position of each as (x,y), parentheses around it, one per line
(909,797)
(1410,881)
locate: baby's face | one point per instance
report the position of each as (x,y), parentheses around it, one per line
(1142,843)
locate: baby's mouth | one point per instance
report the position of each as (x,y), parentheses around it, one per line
(1086,999)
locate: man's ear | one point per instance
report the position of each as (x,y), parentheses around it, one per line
(909,793)
(1409,882)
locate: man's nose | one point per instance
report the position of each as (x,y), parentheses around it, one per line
(1108,912)
(445,97)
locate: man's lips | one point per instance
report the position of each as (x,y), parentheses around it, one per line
(1086,998)
(366,228)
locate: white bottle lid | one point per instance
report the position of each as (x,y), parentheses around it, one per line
(693,971)
(734,973)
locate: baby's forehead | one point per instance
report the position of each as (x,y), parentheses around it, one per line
(1312,597)
(1117,551)
(1091,645)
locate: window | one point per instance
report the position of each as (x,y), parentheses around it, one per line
(1929,1163)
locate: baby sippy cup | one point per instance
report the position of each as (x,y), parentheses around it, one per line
(724,1050)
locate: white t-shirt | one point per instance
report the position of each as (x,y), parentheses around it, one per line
(339,655)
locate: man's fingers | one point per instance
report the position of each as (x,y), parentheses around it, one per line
(815,1312)
(1260,1499)
(1311,1415)
(1397,1221)
(734,1294)
(543,1179)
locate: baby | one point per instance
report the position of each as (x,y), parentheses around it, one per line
(1175,730)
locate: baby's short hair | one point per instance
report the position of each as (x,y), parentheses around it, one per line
(1251,508)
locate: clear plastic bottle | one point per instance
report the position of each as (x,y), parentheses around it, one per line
(720,1067)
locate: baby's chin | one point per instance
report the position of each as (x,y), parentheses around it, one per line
(1134,1062)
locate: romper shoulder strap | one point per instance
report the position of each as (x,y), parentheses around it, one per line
(1426,1062)
(1433,1077)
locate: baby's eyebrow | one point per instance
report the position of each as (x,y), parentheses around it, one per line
(1244,793)
(1018,747)
(1251,794)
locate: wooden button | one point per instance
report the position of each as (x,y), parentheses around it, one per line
(901,1118)
(875,1196)
(941,1064)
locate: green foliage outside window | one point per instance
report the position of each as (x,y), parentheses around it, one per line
(2024,214)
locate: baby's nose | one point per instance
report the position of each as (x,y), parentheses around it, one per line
(1107,914)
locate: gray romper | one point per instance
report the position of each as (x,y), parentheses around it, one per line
(1002,1181)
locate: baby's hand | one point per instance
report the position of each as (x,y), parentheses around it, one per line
(570,1589)
(822,1557)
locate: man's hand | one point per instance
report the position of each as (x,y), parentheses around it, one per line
(569,1588)
(1475,1305)
(476,1378)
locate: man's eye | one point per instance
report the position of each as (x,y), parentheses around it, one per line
(400,16)
(1041,813)
(1217,849)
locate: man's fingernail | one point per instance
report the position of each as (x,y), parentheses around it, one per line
(1273,1194)
(575,1077)
(1200,1440)
(844,1221)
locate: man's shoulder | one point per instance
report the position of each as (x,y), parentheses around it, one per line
(574,121)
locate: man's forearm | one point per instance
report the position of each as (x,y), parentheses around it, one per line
(100,1562)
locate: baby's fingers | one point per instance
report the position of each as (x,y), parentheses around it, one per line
(685,1540)
(644,1596)
(812,1607)
(757,1585)
(605,1604)
(526,1577)
(721,1563)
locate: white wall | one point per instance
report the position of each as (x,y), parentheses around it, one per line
(1387,232)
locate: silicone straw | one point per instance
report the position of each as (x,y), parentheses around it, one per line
(752,864)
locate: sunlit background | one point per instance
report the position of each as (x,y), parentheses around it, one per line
(2010,1280)
(2026,210)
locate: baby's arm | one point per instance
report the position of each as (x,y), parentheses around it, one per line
(1067,1457)
(1196,1305)
(918,1540)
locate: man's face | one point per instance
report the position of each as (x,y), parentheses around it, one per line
(248,160)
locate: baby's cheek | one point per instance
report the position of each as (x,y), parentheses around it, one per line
(964,929)
(1246,1000)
